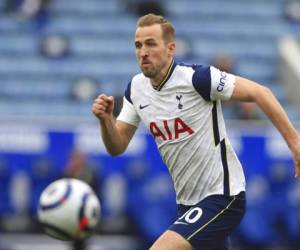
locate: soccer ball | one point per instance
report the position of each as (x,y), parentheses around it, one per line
(68,209)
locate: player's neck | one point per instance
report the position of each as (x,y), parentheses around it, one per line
(159,79)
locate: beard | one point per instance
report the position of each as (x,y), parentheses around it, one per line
(153,71)
(150,73)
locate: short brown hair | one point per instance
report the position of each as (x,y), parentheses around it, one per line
(168,30)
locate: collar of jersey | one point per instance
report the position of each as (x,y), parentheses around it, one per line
(167,76)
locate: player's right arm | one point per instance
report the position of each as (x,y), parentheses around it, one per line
(116,135)
(248,91)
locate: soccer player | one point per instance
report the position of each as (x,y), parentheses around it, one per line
(181,106)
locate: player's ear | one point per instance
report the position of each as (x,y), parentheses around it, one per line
(171,48)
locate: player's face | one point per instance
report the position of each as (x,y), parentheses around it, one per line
(152,51)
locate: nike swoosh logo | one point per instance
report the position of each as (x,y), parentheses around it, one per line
(145,106)
(179,222)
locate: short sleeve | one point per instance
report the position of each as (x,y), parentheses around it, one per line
(202,81)
(222,84)
(128,114)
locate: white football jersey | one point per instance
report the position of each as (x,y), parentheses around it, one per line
(184,116)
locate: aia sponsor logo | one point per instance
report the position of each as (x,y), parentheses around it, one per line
(170,130)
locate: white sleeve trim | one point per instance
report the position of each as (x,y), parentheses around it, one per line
(222,84)
(128,114)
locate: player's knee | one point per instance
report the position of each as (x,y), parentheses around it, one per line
(171,241)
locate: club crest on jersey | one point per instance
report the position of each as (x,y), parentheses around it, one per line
(170,130)
(178,97)
(222,81)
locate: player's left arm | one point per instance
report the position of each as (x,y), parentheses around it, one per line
(249,91)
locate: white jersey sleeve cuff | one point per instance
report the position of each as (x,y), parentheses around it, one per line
(128,114)
(222,84)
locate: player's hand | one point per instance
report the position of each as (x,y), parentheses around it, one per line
(296,156)
(103,107)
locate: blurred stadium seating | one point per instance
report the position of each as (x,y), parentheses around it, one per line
(100,38)
(35,87)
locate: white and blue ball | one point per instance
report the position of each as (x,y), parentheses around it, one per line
(69,209)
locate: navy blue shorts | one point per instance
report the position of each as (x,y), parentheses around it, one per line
(208,224)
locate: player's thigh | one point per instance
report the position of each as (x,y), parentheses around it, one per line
(171,241)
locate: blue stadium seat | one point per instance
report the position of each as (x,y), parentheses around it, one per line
(67,66)
(19,44)
(8,24)
(233,8)
(92,6)
(45,108)
(85,45)
(91,25)
(28,88)
(229,29)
